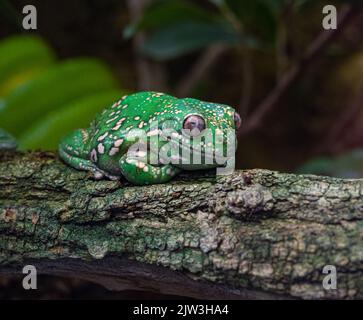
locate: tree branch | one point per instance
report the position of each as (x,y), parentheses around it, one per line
(346,133)
(199,69)
(289,78)
(253,234)
(151,75)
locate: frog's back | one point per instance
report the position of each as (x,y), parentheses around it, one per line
(132,111)
(108,131)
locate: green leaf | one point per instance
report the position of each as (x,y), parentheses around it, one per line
(183,38)
(218,3)
(259,17)
(60,85)
(165,13)
(348,165)
(21,58)
(49,130)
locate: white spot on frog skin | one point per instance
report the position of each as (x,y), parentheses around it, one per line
(84,135)
(141,124)
(118,142)
(100,138)
(101,148)
(98,175)
(110,120)
(137,118)
(94,155)
(157,94)
(175,158)
(113,151)
(125,106)
(153,132)
(116,127)
(141,154)
(141,165)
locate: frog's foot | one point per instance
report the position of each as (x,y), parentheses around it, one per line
(74,152)
(142,173)
(87,165)
(76,161)
(99,174)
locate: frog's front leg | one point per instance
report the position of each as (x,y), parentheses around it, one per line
(142,173)
(74,150)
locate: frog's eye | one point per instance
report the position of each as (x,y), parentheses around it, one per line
(195,124)
(237,120)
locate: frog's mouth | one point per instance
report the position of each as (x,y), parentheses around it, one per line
(187,157)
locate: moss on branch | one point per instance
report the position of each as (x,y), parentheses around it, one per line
(253,234)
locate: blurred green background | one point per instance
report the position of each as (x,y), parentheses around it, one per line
(263,57)
(85,54)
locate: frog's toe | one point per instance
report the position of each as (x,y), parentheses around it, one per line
(113,178)
(142,173)
(98,175)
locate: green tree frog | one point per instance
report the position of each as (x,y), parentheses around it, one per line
(105,147)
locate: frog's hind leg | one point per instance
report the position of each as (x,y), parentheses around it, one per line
(74,151)
(142,173)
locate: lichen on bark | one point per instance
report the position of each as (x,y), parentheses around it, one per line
(252,234)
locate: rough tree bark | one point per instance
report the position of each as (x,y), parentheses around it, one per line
(253,234)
